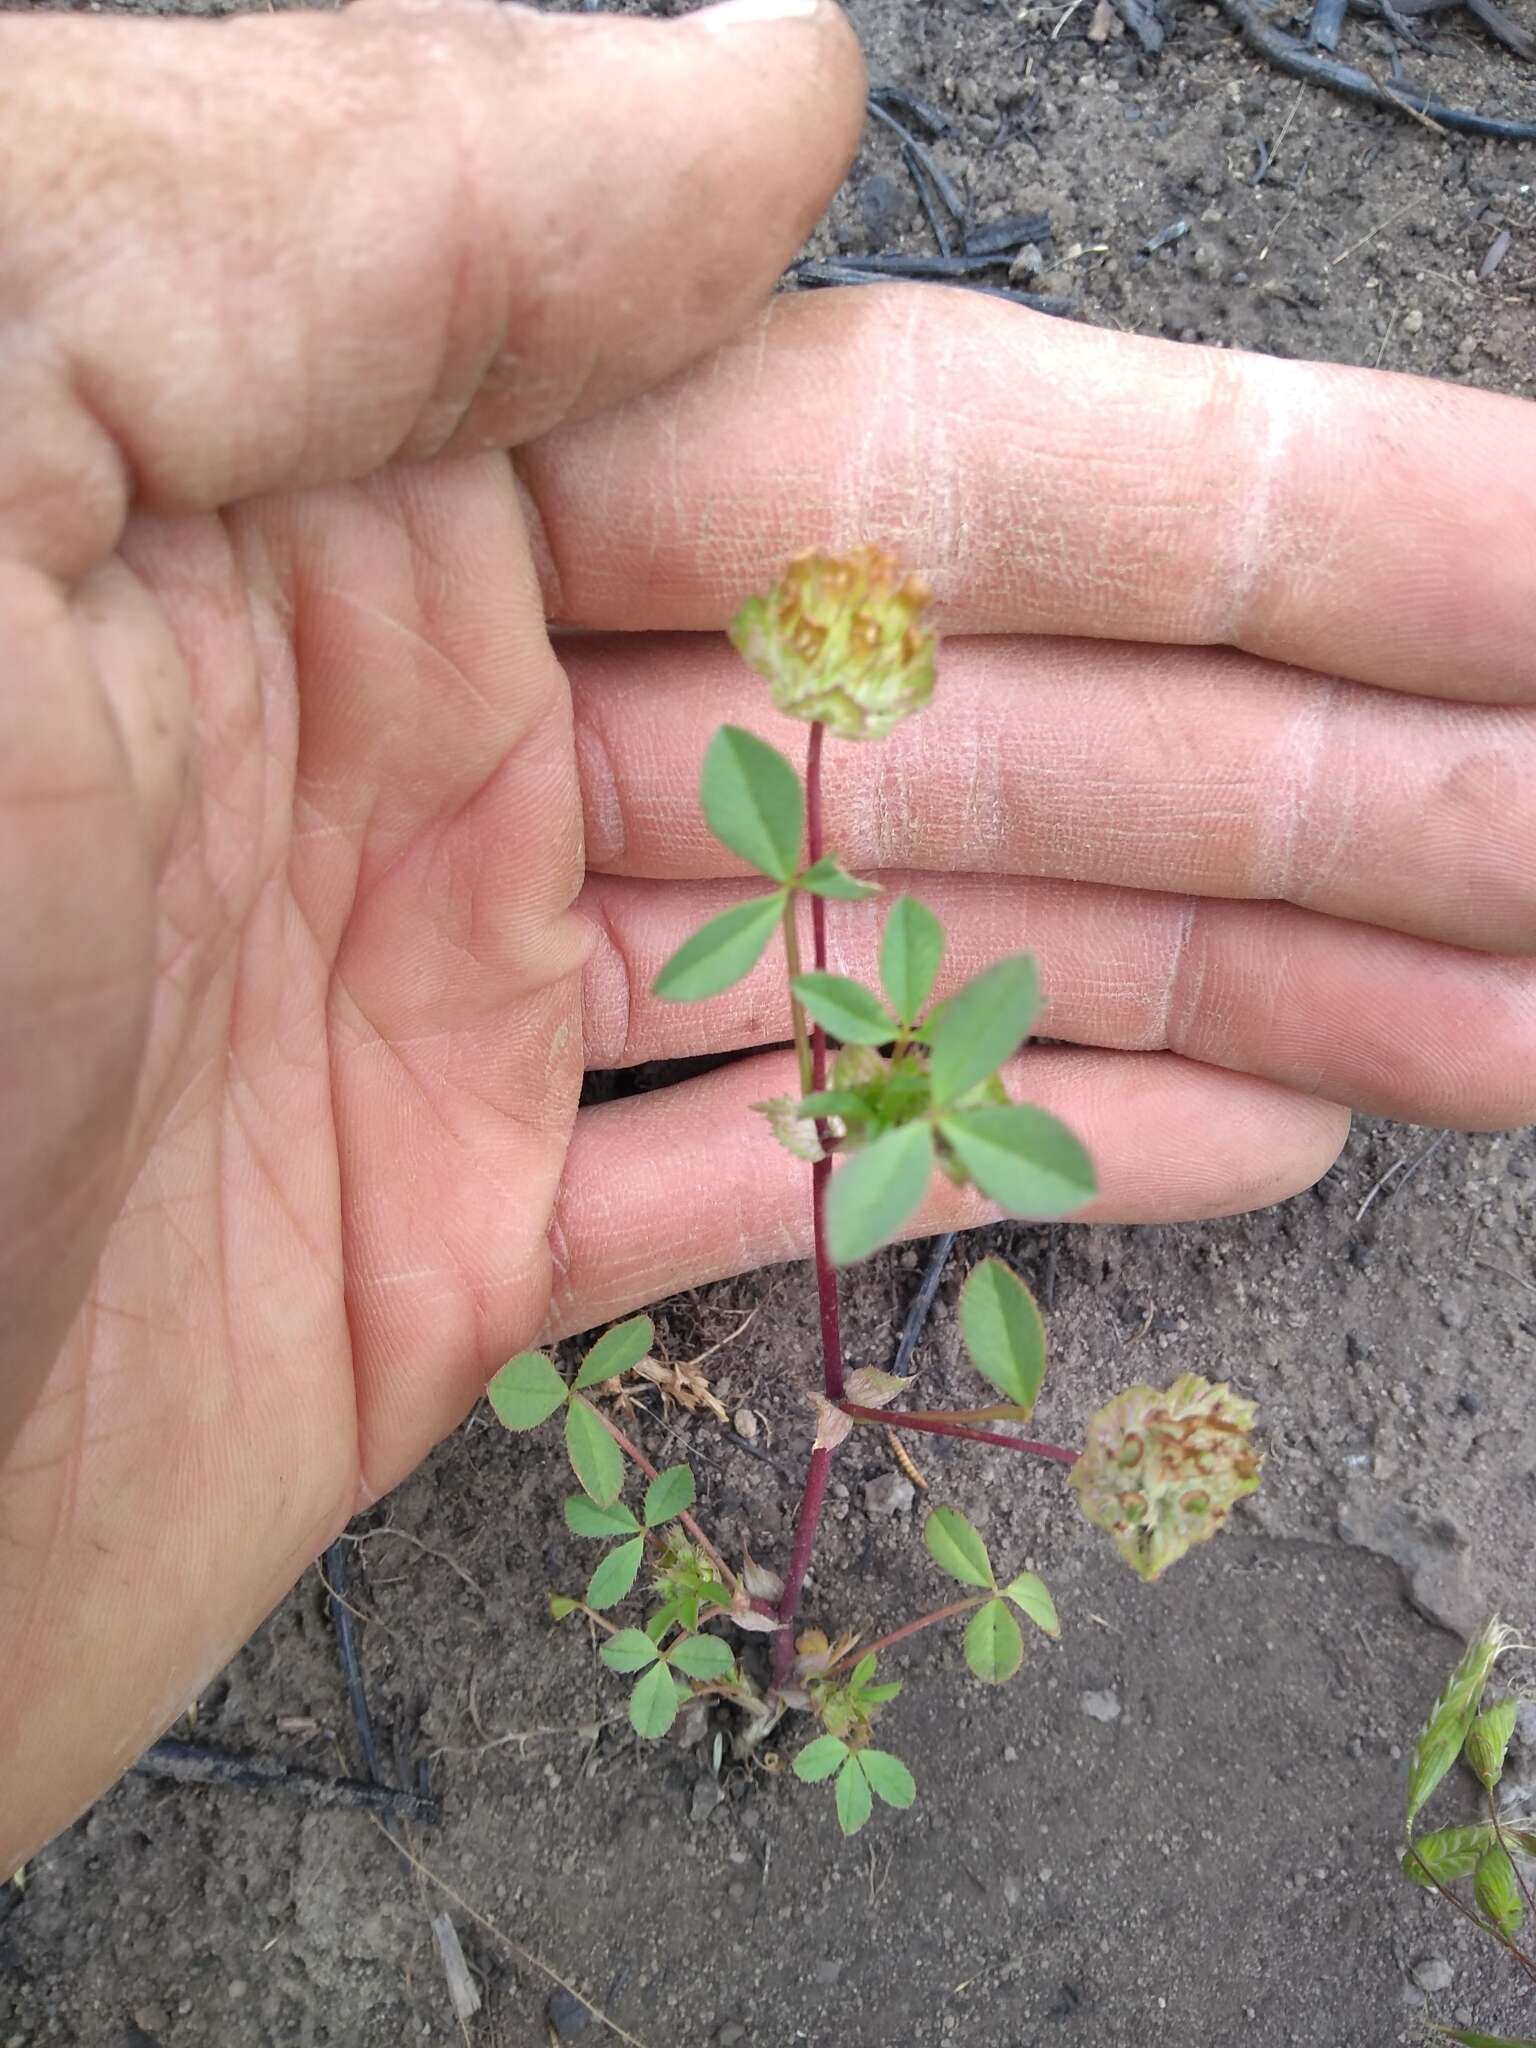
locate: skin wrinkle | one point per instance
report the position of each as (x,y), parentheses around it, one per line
(1307,743)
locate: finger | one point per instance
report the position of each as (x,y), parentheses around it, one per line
(1054,479)
(284,251)
(1389,1025)
(1181,769)
(671,1189)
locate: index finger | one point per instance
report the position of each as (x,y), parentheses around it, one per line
(1051,478)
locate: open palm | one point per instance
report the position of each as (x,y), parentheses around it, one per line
(327,871)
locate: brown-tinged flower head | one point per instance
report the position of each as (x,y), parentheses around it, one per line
(1160,1471)
(840,642)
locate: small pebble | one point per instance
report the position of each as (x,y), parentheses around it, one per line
(731,2035)
(1433,1973)
(1413,321)
(1454,1312)
(828,1972)
(891,1494)
(566,2014)
(1101,1706)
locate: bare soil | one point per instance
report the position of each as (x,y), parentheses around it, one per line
(1213,1861)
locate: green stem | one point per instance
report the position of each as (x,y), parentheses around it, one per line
(636,1456)
(797,1022)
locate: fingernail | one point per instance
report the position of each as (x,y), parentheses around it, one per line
(733,13)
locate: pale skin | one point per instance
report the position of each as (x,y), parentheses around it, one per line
(343,355)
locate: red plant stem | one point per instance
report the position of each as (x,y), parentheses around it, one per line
(934,1425)
(636,1456)
(811,1500)
(909,1628)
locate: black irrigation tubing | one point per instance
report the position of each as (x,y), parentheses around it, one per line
(918,268)
(949,193)
(191,1763)
(1286,54)
(922,1304)
(850,273)
(1327,22)
(351,1662)
(924,191)
(923,112)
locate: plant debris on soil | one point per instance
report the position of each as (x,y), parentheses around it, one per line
(1179,1824)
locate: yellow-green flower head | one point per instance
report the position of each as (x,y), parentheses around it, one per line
(1160,1471)
(840,643)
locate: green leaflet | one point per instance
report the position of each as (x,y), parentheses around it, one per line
(702,1657)
(819,1759)
(1028,1162)
(526,1391)
(845,1008)
(669,1494)
(753,801)
(653,1703)
(722,952)
(616,1351)
(875,1193)
(1003,1332)
(615,1574)
(980,1026)
(994,1643)
(854,1804)
(956,1548)
(828,877)
(595,1458)
(910,953)
(1031,1597)
(889,1778)
(583,1517)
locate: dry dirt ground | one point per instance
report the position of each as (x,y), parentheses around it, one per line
(1178,1825)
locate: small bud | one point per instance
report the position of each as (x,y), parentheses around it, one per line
(1488,1740)
(1161,1470)
(839,642)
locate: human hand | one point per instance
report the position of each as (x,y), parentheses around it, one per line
(302,966)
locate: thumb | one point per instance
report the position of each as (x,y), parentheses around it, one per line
(279,251)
